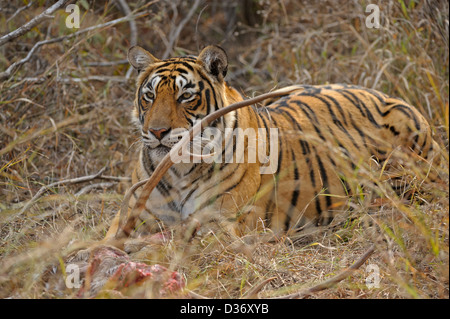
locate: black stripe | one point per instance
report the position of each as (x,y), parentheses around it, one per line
(187,198)
(405,110)
(295,193)
(359,103)
(163,187)
(341,177)
(212,89)
(189,172)
(160,68)
(148,166)
(280,148)
(324,176)
(191,122)
(189,85)
(181,71)
(310,114)
(361,133)
(375,94)
(318,207)
(303,144)
(268,212)
(354,100)
(422,147)
(392,129)
(347,153)
(236,184)
(312,118)
(336,121)
(338,106)
(207,177)
(311,171)
(208,101)
(228,143)
(174,171)
(211,200)
(343,129)
(200,100)
(374,103)
(267,132)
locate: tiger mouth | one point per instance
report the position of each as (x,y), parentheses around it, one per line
(160,150)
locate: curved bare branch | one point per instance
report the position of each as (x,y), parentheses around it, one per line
(332,281)
(150,183)
(32,23)
(13,67)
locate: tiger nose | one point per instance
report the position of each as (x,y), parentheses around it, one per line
(159,132)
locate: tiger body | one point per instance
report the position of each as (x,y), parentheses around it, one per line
(324,133)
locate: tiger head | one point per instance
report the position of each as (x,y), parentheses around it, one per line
(173,94)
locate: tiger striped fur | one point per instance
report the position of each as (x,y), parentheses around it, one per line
(325,133)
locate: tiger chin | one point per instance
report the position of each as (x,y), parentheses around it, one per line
(326,133)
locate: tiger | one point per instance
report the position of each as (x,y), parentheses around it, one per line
(325,133)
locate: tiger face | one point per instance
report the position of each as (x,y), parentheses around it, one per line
(173,94)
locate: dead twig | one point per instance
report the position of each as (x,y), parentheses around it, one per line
(19,11)
(123,6)
(252,293)
(166,162)
(332,281)
(59,183)
(175,33)
(126,200)
(32,23)
(195,295)
(116,178)
(13,67)
(100,78)
(32,133)
(105,63)
(88,188)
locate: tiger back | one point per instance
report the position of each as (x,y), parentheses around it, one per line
(323,135)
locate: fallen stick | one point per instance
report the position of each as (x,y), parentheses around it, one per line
(332,281)
(63,182)
(32,23)
(13,67)
(19,11)
(252,293)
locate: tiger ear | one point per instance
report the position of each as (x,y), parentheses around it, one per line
(140,58)
(215,61)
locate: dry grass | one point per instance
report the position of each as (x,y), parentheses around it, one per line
(58,122)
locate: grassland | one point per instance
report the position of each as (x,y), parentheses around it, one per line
(64,114)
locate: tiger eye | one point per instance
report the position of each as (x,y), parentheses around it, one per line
(186,95)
